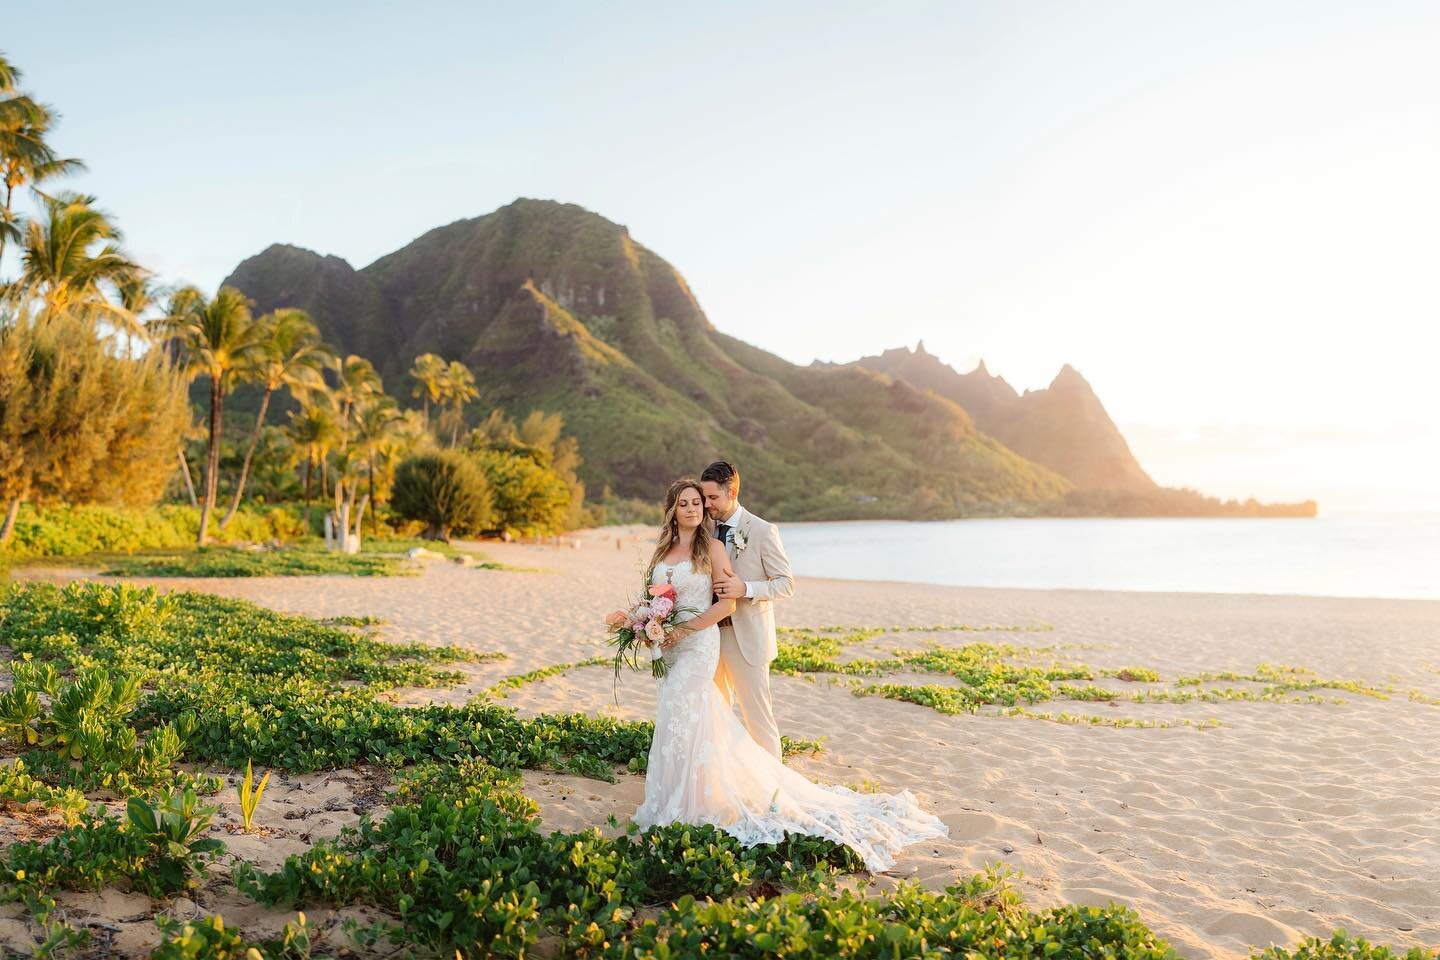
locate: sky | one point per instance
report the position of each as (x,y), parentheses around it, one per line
(1225,215)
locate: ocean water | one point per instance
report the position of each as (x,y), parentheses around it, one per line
(1394,555)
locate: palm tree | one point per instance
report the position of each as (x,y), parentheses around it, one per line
(313,431)
(457,387)
(290,356)
(71,261)
(428,372)
(355,382)
(138,294)
(157,329)
(378,431)
(25,157)
(216,338)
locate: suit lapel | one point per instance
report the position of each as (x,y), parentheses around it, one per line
(743,527)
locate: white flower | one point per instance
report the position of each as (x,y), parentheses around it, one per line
(739,539)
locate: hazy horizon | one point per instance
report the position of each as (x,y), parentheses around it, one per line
(1221,216)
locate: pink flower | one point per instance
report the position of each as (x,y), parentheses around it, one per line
(616,619)
(661,606)
(664,590)
(655,632)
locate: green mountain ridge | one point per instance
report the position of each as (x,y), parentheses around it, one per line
(557,308)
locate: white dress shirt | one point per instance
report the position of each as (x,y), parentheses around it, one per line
(733,521)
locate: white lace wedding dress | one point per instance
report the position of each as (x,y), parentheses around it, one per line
(705,768)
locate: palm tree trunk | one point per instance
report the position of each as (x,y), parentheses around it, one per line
(249,452)
(324,477)
(425,402)
(10,516)
(359,518)
(370,496)
(189,481)
(309,468)
(455,425)
(213,466)
(9,193)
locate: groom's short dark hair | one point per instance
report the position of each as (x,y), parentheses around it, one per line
(723,471)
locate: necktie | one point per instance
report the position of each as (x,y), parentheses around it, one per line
(722,531)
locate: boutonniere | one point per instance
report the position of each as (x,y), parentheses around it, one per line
(739,539)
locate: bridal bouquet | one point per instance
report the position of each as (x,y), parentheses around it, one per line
(641,631)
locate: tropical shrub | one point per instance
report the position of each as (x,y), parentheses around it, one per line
(80,423)
(531,499)
(445,490)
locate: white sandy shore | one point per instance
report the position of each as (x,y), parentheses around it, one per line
(1288,819)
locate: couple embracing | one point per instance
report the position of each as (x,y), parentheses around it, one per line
(706,766)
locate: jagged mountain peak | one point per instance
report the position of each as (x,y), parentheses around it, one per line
(1069,378)
(1063,426)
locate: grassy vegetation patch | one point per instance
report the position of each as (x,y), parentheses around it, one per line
(130,681)
(297,561)
(1012,677)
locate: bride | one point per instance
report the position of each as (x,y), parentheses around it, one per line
(704,767)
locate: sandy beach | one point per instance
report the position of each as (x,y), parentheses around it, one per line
(1286,819)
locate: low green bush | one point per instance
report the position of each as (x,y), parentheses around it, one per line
(447,491)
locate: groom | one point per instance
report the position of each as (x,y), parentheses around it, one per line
(762,576)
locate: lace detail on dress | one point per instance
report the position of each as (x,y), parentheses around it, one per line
(705,768)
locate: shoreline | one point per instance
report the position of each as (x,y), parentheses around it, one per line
(634,534)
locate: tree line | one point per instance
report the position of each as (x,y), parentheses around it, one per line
(97,360)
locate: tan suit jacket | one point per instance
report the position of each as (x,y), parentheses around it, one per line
(762,564)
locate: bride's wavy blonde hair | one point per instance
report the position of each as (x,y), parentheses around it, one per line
(670,530)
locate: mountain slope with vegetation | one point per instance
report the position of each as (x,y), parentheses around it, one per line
(556,308)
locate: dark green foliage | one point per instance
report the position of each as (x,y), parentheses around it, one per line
(1341,946)
(157,849)
(467,868)
(447,491)
(288,692)
(911,922)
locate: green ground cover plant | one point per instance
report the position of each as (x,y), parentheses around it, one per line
(1006,676)
(460,863)
(293,561)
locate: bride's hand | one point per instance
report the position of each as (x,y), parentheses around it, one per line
(675,634)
